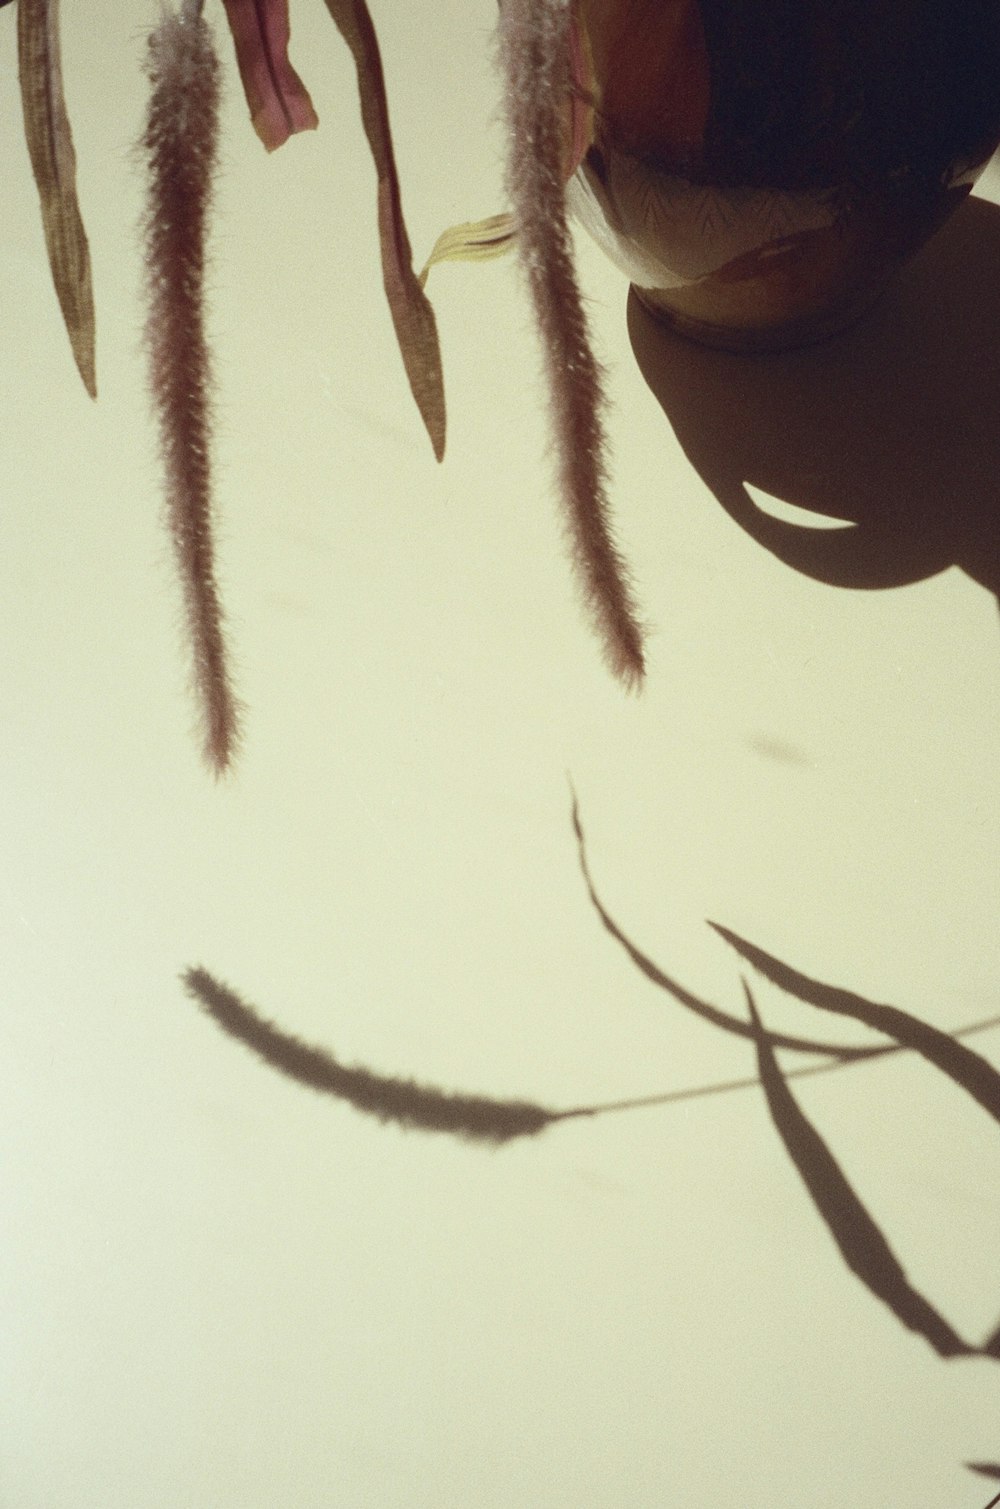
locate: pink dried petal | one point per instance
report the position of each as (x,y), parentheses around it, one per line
(279,101)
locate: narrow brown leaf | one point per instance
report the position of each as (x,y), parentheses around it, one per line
(860,1240)
(180,142)
(412,315)
(385,1097)
(53,162)
(535,50)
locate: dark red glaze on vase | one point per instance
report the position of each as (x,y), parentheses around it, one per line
(760,168)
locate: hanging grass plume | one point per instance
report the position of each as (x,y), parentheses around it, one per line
(179,142)
(535,49)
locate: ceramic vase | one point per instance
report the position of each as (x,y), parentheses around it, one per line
(759,169)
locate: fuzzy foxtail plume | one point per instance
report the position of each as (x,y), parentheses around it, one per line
(535,51)
(180,141)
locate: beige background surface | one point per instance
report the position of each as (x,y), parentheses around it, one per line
(219,1290)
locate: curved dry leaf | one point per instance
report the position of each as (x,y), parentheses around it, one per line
(472,241)
(412,315)
(53,162)
(385,1097)
(862,1245)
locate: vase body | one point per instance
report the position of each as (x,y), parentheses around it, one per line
(759,169)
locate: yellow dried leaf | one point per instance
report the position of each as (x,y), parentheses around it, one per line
(472,241)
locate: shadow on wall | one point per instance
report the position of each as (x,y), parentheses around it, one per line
(891,427)
(855,1231)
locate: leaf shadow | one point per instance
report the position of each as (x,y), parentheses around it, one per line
(966,1068)
(857,1235)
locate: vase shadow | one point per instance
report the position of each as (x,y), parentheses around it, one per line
(891,427)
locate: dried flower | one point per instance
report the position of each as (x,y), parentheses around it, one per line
(278,99)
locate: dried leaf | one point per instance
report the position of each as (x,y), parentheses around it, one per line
(180,142)
(388,1099)
(53,162)
(279,101)
(472,241)
(535,49)
(412,315)
(967,1068)
(862,1245)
